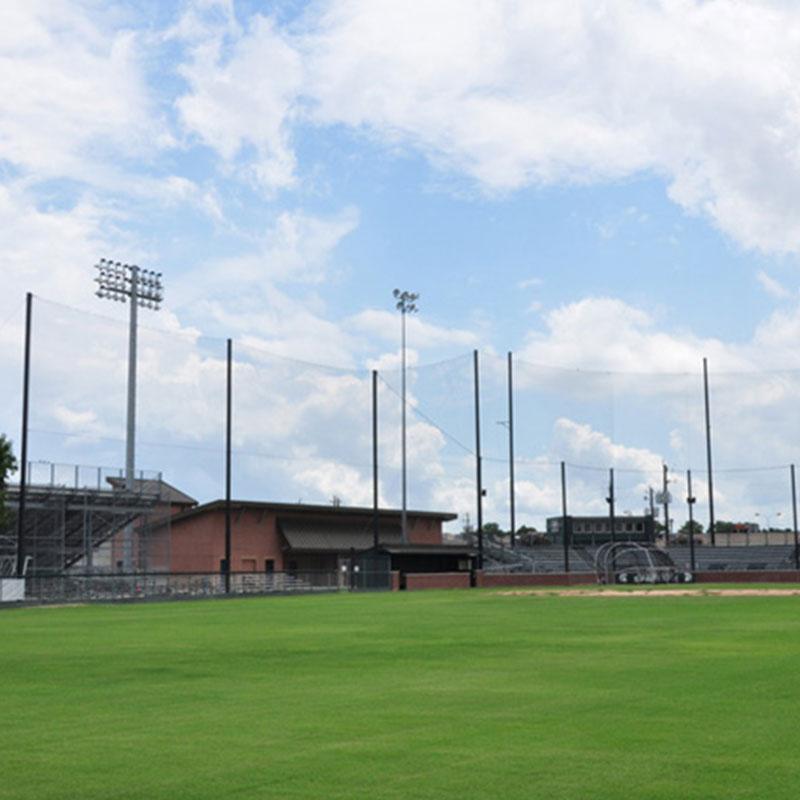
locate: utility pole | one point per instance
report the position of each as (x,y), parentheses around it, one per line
(665,501)
(23,466)
(610,501)
(406,303)
(565,526)
(708,456)
(228,467)
(375,522)
(478,460)
(794,518)
(690,501)
(138,287)
(511,498)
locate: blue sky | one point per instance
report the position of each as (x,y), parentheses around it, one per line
(607,187)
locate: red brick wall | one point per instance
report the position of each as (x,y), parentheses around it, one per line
(198,543)
(484,579)
(395,581)
(437,580)
(424,531)
(773,576)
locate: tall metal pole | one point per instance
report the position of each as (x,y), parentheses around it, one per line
(228,465)
(690,501)
(23,466)
(478,465)
(794,519)
(127,282)
(405,304)
(610,500)
(708,455)
(375,522)
(511,498)
(404,511)
(130,441)
(564,517)
(665,501)
(130,438)
(652,504)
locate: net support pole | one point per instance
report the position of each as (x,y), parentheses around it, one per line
(794,518)
(23,465)
(478,464)
(665,501)
(564,517)
(690,501)
(708,455)
(511,497)
(610,500)
(228,432)
(375,522)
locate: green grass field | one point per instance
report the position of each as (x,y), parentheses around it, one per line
(420,695)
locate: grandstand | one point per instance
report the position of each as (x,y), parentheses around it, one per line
(736,558)
(73,514)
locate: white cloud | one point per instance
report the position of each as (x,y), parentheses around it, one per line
(537,93)
(385,325)
(74,92)
(604,333)
(772,287)
(245,99)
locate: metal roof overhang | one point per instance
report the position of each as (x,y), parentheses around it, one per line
(314,536)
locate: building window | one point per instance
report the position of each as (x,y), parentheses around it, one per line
(269,565)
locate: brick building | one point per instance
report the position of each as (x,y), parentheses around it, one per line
(296,537)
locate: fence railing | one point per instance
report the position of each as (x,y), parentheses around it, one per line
(84,588)
(80,476)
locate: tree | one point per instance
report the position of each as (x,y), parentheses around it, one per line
(7,465)
(697,528)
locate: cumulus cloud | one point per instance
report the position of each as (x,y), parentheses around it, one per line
(538,93)
(244,97)
(75,94)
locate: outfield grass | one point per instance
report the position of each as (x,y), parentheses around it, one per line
(419,695)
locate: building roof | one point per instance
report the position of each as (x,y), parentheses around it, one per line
(309,509)
(316,536)
(428,549)
(147,486)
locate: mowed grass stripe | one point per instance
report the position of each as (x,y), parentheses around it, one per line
(429,695)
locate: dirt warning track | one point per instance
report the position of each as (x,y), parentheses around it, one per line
(652,592)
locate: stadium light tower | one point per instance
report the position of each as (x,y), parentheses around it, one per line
(139,287)
(406,303)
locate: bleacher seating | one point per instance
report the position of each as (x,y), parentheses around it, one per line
(547,558)
(756,557)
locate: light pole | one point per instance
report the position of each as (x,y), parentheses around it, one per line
(406,303)
(139,287)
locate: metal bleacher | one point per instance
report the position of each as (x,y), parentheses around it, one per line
(71,511)
(544,558)
(737,558)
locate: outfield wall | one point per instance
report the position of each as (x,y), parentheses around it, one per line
(437,580)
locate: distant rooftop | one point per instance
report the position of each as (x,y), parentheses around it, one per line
(314,509)
(147,486)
